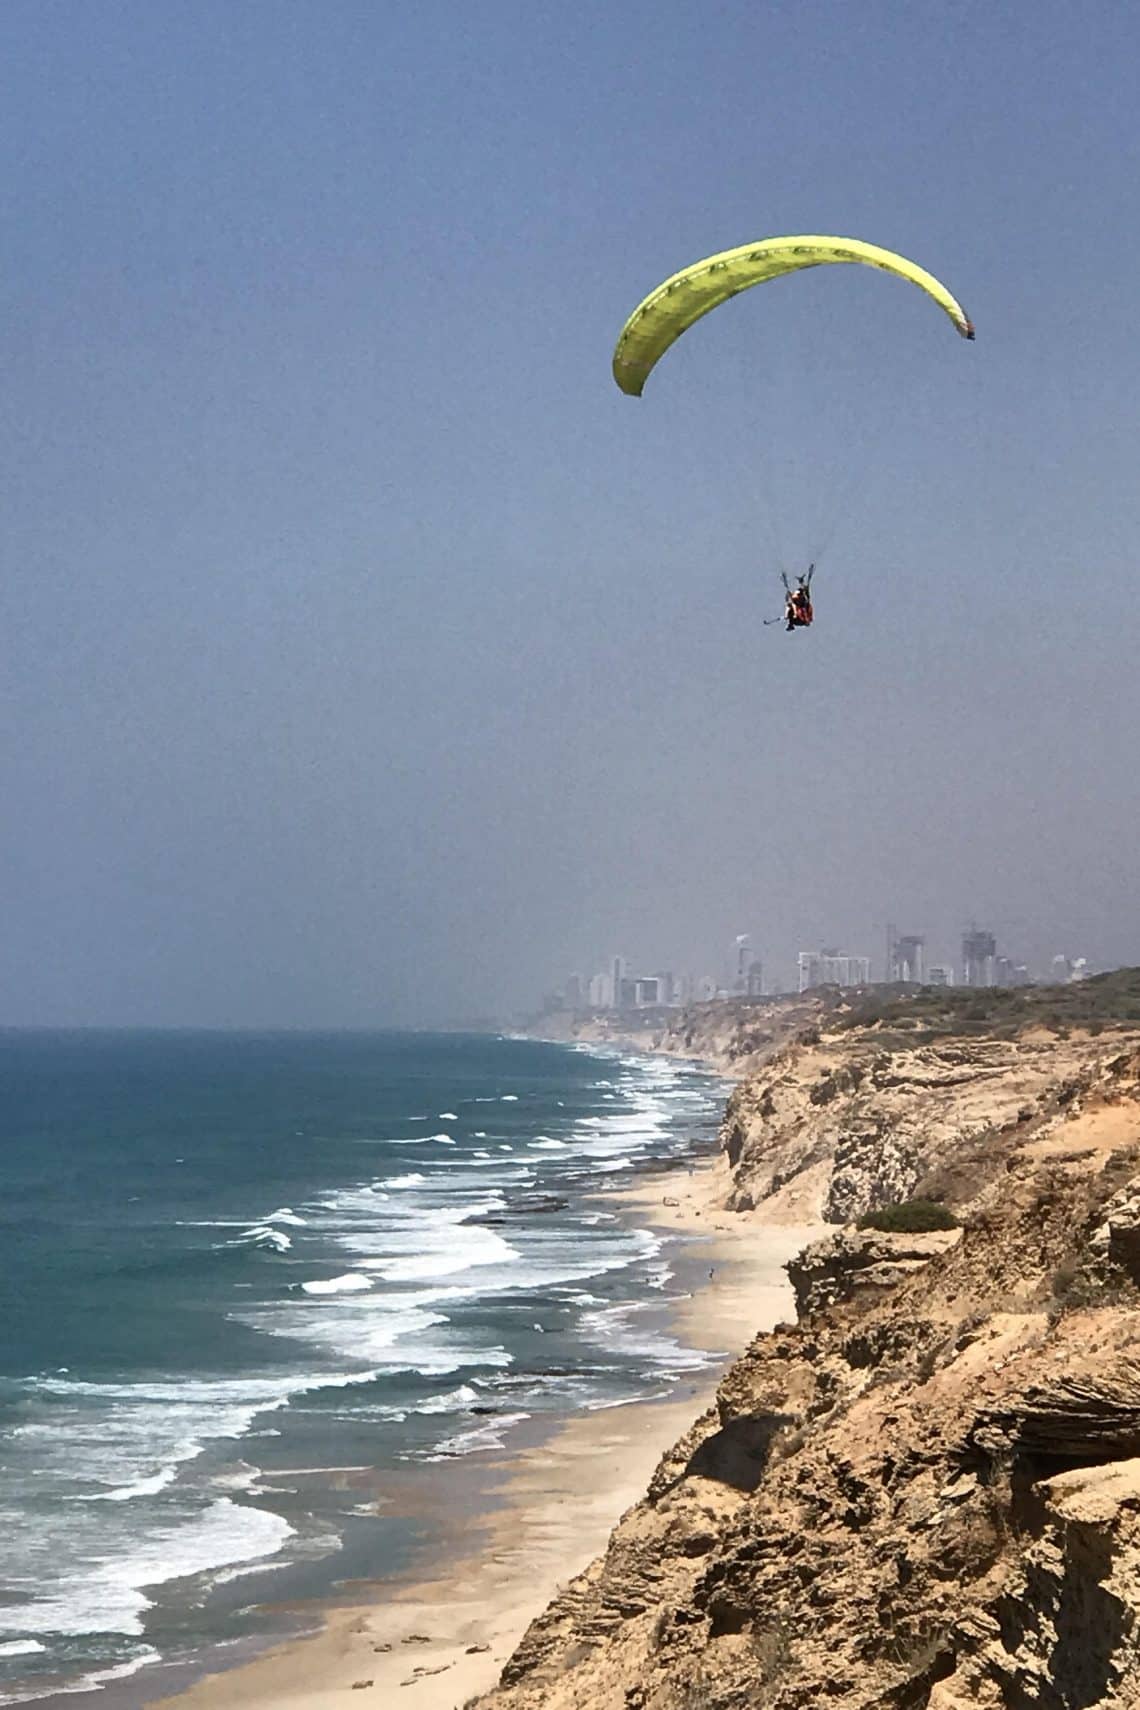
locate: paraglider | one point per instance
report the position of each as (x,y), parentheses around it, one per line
(685,297)
(661,318)
(798,611)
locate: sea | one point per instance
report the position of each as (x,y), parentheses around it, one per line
(251,1284)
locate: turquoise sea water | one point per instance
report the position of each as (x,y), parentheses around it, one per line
(242,1274)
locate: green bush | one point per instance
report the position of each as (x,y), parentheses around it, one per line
(910,1217)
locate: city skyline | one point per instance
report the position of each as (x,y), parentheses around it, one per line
(743,973)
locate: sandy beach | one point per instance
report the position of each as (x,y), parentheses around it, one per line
(438,1642)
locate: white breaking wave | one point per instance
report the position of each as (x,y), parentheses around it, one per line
(352,1282)
(615,1327)
(263,1235)
(444,1247)
(105,1594)
(120,1671)
(488,1435)
(141,1486)
(451,1402)
(113,1443)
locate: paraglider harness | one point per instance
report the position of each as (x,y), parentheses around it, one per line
(797,602)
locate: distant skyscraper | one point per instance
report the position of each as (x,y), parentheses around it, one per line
(938,975)
(908,959)
(601,992)
(754,979)
(740,969)
(1066,972)
(978,958)
(574,992)
(618,972)
(829,968)
(706,989)
(646,992)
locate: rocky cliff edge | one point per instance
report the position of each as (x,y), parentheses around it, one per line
(925,1493)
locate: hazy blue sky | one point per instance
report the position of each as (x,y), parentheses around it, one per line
(369,657)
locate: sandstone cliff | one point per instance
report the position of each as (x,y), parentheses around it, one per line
(924,1494)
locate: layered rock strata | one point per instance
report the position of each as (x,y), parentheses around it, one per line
(925,1493)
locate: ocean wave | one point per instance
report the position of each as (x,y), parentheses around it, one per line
(351,1282)
(124,1442)
(488,1435)
(446,1250)
(119,1671)
(107,1594)
(453,1401)
(617,1328)
(601,1404)
(263,1235)
(141,1486)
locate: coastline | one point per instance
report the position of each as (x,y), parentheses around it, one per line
(443,1636)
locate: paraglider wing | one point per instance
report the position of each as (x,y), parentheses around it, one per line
(673,307)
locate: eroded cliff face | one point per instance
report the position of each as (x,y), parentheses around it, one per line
(925,1492)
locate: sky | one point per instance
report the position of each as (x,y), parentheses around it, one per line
(369,659)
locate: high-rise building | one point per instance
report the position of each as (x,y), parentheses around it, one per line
(754,979)
(573,992)
(646,992)
(743,957)
(1066,972)
(978,958)
(939,975)
(908,955)
(601,992)
(830,968)
(706,989)
(619,969)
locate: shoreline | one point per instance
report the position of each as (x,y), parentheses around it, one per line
(443,1631)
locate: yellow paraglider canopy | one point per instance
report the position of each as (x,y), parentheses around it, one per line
(672,308)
